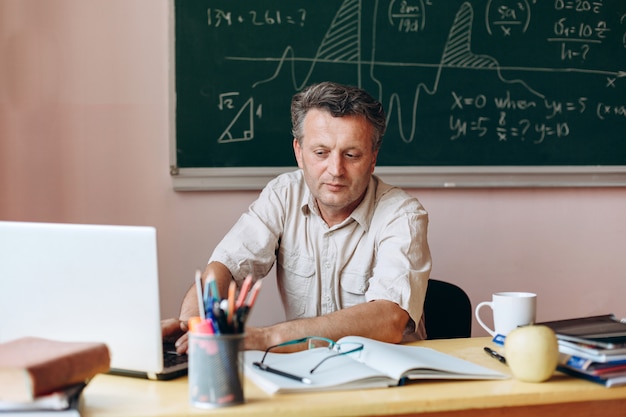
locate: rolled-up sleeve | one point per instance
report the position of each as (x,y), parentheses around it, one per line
(250,245)
(403,261)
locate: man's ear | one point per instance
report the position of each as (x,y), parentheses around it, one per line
(297,151)
(374,161)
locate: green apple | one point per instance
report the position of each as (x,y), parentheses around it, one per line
(532,353)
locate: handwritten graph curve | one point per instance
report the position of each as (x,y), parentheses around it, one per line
(341,44)
(457,53)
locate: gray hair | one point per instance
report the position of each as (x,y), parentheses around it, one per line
(339,100)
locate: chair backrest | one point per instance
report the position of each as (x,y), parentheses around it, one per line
(447,311)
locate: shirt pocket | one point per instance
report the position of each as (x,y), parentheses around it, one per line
(353,287)
(297,285)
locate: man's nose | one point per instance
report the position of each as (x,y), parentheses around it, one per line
(335,165)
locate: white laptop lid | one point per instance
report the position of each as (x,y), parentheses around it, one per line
(83,283)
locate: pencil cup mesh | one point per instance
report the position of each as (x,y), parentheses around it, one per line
(215,370)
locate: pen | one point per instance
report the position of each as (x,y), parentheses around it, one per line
(242,315)
(214,292)
(220,318)
(210,316)
(199,294)
(495,355)
(266,368)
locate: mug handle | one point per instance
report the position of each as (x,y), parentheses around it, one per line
(476,313)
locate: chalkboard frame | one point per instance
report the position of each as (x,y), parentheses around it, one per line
(255,178)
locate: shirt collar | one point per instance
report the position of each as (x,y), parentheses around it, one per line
(362,214)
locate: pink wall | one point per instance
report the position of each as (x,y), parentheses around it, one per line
(84,125)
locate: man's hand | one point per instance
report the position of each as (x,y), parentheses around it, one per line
(174,330)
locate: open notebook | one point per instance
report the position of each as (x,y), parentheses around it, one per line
(86,283)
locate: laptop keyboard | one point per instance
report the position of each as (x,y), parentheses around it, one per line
(170,357)
(173,359)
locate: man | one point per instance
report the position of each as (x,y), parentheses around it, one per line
(351,251)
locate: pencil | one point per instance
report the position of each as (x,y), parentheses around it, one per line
(254,293)
(247,283)
(231,302)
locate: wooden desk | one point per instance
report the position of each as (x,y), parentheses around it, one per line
(116,396)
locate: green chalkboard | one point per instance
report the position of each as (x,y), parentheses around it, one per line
(477,83)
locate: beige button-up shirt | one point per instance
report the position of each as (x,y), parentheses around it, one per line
(380,252)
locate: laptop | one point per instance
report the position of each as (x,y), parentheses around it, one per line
(78,282)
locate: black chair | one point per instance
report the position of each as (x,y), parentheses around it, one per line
(447,311)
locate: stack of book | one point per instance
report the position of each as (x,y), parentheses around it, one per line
(592,348)
(46,377)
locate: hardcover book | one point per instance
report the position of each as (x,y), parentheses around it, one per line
(604,331)
(31,367)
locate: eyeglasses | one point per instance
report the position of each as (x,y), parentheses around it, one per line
(313,343)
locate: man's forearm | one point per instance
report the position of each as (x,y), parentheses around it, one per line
(214,270)
(380,320)
(189,307)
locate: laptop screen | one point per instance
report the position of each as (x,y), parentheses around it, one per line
(83,283)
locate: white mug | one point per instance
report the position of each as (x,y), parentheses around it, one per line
(510,310)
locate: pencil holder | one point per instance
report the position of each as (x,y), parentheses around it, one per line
(215,370)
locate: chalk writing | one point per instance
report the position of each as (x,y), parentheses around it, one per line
(542,74)
(407,16)
(521,126)
(220,17)
(507,17)
(577,34)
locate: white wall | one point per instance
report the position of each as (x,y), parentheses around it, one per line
(84,127)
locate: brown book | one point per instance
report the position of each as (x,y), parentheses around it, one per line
(31,366)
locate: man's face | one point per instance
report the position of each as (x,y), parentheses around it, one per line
(337,159)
